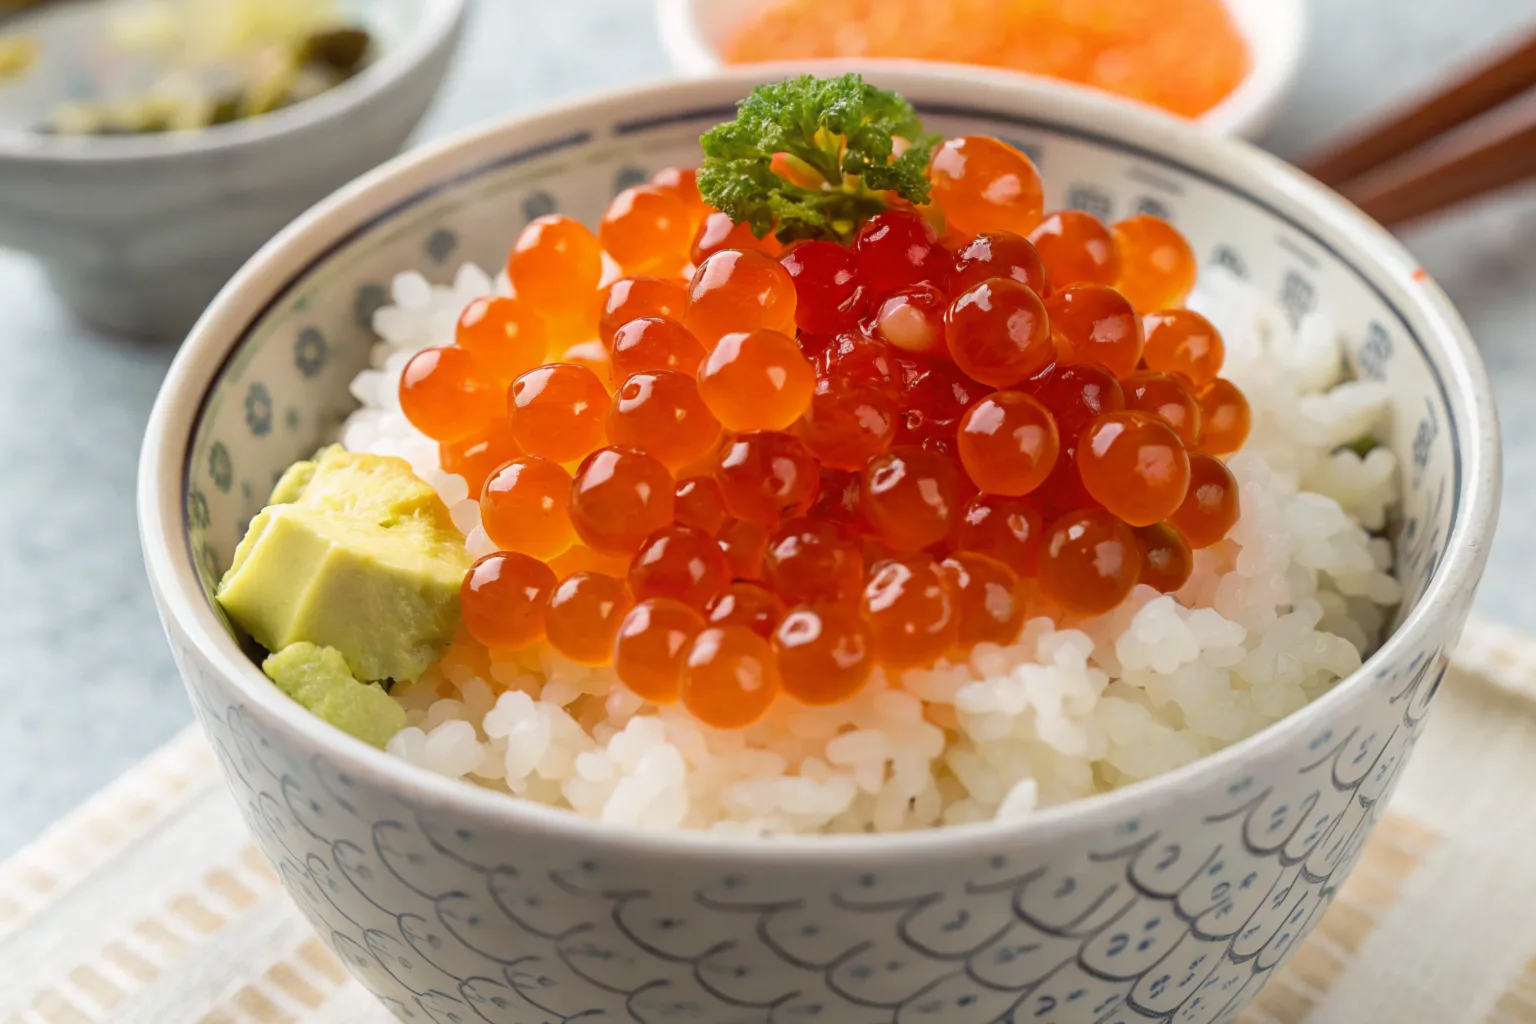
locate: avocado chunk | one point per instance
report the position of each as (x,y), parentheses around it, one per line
(318,678)
(357,554)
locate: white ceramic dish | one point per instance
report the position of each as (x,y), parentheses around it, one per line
(1171,900)
(137,234)
(693,32)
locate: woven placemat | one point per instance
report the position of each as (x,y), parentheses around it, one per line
(150,905)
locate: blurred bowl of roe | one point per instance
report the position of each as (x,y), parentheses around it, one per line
(149,147)
(1226,64)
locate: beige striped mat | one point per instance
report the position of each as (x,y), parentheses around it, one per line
(150,905)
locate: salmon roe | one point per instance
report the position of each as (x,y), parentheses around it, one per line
(647,230)
(1076,248)
(1089,561)
(1095,325)
(660,413)
(990,598)
(738,290)
(744,544)
(830,291)
(910,605)
(912,320)
(825,652)
(746,604)
(1182,341)
(910,497)
(998,332)
(683,182)
(848,423)
(766,476)
(717,231)
(475,457)
(630,298)
(1225,418)
(1007,529)
(1157,266)
(619,497)
(730,678)
(558,411)
(583,615)
(654,343)
(555,267)
(525,507)
(1211,507)
(1135,466)
(502,600)
(899,249)
(697,503)
(999,254)
(810,562)
(984,184)
(757,380)
(1008,443)
(444,396)
(505,337)
(1166,560)
(653,641)
(682,563)
(1169,399)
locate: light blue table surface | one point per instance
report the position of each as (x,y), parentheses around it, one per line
(86,682)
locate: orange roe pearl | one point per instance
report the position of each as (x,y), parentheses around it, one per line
(580,558)
(683,183)
(583,615)
(910,605)
(555,267)
(910,497)
(998,254)
(591,354)
(826,653)
(744,544)
(502,600)
(912,320)
(655,343)
(1004,528)
(1225,418)
(652,643)
(1089,561)
(837,502)
(1008,443)
(766,477)
(698,504)
(746,604)
(647,230)
(1211,507)
(681,563)
(1169,399)
(1135,466)
(477,456)
(998,332)
(809,562)
(1166,561)
(847,422)
(1157,266)
(443,395)
(558,411)
(630,298)
(717,231)
(989,596)
(731,677)
(738,290)
(1182,341)
(660,412)
(757,380)
(984,184)
(1095,325)
(1077,249)
(525,507)
(505,337)
(619,497)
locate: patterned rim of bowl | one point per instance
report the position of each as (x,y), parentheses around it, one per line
(440,18)
(397,185)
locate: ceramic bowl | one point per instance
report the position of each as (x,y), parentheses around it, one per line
(693,32)
(137,234)
(1174,899)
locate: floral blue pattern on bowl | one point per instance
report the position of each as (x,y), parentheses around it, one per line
(1172,900)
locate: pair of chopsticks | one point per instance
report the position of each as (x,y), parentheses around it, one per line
(1472,137)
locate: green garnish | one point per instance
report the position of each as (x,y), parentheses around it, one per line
(839,135)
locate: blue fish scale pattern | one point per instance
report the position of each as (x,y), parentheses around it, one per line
(1177,920)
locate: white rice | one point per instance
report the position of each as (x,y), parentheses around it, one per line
(1272,617)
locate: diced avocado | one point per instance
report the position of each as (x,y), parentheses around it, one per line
(364,558)
(318,678)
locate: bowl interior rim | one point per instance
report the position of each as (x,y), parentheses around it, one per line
(440,20)
(407,179)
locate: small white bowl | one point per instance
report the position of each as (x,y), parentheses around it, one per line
(694,31)
(138,233)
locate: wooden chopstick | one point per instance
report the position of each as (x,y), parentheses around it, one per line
(1470,95)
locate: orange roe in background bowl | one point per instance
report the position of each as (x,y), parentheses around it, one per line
(1185,56)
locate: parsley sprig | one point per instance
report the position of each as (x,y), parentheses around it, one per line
(837,139)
